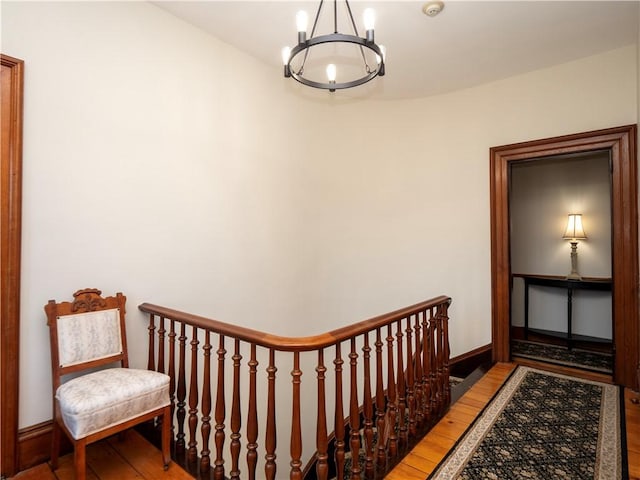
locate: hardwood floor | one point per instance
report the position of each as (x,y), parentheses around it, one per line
(111,459)
(424,458)
(135,458)
(632,411)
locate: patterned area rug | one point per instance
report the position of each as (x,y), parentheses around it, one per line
(543,426)
(587,360)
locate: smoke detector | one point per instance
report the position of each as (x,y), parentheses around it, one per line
(432,9)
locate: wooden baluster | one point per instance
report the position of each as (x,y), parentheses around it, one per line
(441,378)
(218,470)
(435,379)
(445,389)
(172,370)
(392,406)
(160,366)
(411,405)
(441,363)
(433,374)
(438,349)
(192,452)
(367,410)
(236,422)
(161,332)
(296,428)
(354,414)
(205,460)
(381,457)
(419,385)
(322,441)
(426,368)
(252,417)
(402,404)
(182,391)
(339,416)
(152,345)
(270,438)
(446,352)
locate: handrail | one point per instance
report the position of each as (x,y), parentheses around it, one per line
(379,385)
(291,344)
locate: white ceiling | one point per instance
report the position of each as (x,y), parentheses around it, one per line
(469,43)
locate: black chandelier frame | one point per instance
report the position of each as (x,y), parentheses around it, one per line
(304,45)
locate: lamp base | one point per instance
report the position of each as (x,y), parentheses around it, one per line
(574,275)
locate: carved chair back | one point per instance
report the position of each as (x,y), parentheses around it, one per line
(86,333)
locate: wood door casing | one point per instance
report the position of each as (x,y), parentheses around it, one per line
(620,142)
(10,239)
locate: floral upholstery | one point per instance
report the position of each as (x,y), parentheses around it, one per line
(88,336)
(96,401)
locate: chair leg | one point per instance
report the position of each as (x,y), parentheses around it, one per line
(80,459)
(166,437)
(55,444)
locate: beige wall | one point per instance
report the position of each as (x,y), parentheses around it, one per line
(163,163)
(157,161)
(409,203)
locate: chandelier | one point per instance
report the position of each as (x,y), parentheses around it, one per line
(348,59)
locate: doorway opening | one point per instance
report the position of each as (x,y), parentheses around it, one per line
(561,309)
(620,145)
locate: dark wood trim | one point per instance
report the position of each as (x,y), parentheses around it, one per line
(620,142)
(34,445)
(466,363)
(10,228)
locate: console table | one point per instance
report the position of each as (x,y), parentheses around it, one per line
(586,283)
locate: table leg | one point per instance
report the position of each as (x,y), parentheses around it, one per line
(526,309)
(569,316)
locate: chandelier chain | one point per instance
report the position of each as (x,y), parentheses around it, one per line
(313,32)
(355,31)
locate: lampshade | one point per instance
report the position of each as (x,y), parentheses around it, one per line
(574,229)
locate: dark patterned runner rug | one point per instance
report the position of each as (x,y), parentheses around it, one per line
(543,426)
(587,360)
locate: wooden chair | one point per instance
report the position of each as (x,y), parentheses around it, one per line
(86,334)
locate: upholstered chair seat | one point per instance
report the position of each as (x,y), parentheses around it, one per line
(102,399)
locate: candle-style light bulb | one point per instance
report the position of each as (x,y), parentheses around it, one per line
(331,72)
(286,53)
(331,75)
(302,22)
(369,20)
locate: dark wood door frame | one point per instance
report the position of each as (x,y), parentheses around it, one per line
(620,142)
(10,233)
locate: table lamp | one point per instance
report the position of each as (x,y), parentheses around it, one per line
(574,232)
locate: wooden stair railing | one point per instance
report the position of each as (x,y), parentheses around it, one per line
(398,390)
